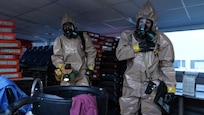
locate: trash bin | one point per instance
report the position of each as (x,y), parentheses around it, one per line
(57,100)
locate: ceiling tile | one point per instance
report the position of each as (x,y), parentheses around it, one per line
(164,5)
(80,6)
(127,9)
(172,18)
(120,23)
(104,15)
(32,3)
(193,2)
(38,17)
(12,8)
(115,1)
(54,10)
(193,11)
(196,17)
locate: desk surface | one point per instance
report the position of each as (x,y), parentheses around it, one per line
(199,92)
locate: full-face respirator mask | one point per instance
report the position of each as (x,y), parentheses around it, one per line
(143,31)
(70,30)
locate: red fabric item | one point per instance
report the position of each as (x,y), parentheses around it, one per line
(84,104)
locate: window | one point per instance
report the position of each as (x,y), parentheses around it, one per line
(188,47)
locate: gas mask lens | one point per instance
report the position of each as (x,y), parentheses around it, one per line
(142,24)
(141,27)
(69,30)
(68,27)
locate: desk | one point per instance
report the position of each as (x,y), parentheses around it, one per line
(199,95)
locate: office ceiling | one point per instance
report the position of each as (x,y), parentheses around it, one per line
(39,20)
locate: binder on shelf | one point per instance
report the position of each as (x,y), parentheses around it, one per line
(12,75)
(9,69)
(9,63)
(10,44)
(7,36)
(10,50)
(6,29)
(97,59)
(94,39)
(14,51)
(7,23)
(8,57)
(93,35)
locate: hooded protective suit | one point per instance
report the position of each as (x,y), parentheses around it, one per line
(70,50)
(159,63)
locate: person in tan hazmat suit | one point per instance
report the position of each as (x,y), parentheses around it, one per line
(150,56)
(70,53)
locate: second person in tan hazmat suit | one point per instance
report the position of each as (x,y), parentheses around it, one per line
(150,56)
(70,52)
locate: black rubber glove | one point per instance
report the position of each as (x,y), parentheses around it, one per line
(169,98)
(146,46)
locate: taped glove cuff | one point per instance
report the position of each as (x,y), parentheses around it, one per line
(91,68)
(60,66)
(58,74)
(136,47)
(171,89)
